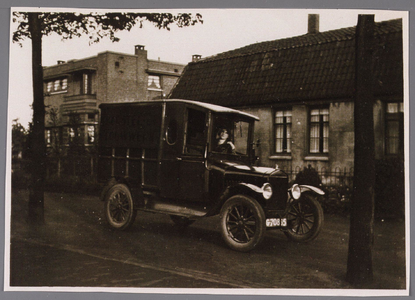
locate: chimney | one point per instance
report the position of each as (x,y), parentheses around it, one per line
(313,23)
(196,57)
(138,48)
(61,62)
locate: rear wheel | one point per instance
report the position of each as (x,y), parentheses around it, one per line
(242,223)
(181,221)
(304,220)
(119,207)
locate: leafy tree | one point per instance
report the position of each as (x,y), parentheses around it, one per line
(56,149)
(19,139)
(34,25)
(308,175)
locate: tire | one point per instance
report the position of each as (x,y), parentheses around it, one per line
(304,219)
(181,221)
(242,223)
(119,207)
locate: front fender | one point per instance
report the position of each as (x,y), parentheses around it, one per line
(310,188)
(252,187)
(240,188)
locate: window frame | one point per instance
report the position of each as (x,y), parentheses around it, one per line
(88,136)
(160,88)
(48,136)
(393,117)
(186,135)
(286,141)
(321,122)
(86,83)
(56,86)
(49,86)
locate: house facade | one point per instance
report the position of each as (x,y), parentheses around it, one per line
(302,89)
(74,90)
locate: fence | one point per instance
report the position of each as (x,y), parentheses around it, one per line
(81,166)
(329,178)
(337,183)
(86,166)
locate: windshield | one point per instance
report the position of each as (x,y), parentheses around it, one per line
(230,136)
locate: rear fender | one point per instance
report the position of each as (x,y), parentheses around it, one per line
(136,192)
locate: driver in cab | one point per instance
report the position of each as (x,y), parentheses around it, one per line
(224,144)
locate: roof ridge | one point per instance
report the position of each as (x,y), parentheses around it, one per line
(331,37)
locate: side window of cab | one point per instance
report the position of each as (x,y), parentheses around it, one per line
(195,134)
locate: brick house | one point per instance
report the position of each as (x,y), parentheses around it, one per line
(74,90)
(302,90)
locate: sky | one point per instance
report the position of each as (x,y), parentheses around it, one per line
(222,30)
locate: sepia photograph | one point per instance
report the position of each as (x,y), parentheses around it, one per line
(208,151)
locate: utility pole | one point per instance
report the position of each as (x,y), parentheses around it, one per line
(359,264)
(37,142)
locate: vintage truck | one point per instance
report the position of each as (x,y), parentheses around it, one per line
(171,157)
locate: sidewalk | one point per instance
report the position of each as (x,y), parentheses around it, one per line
(49,265)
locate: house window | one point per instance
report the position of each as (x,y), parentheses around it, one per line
(319,130)
(394,128)
(57,85)
(91,134)
(71,134)
(64,84)
(86,87)
(56,136)
(282,126)
(154,82)
(49,86)
(48,137)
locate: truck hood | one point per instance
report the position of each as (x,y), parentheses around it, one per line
(232,167)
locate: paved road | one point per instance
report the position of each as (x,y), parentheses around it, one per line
(76,248)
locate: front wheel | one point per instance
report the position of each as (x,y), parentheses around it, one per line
(304,220)
(119,207)
(242,223)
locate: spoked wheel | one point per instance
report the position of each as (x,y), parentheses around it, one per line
(242,223)
(119,207)
(304,220)
(181,221)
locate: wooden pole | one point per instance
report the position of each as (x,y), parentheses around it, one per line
(359,264)
(38,146)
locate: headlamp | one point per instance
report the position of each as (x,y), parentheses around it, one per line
(267,191)
(296,192)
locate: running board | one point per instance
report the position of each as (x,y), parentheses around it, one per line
(157,206)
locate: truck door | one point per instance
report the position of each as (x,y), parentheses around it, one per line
(192,172)
(172,150)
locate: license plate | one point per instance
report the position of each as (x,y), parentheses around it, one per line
(276,222)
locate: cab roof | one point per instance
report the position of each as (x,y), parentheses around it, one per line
(212,107)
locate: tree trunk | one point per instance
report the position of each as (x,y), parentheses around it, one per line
(59,167)
(359,264)
(38,147)
(92,165)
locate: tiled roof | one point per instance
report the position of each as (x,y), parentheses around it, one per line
(303,68)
